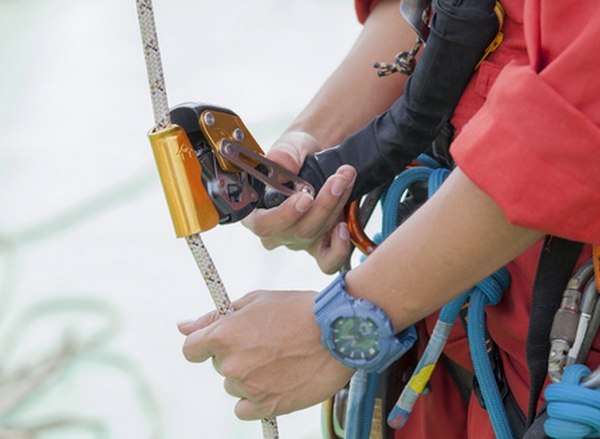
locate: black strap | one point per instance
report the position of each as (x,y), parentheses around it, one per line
(536,430)
(516,418)
(557,261)
(461,377)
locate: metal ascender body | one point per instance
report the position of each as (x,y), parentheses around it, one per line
(212,170)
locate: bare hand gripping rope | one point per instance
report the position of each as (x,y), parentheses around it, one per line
(211,169)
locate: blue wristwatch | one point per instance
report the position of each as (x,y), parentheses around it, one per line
(357,332)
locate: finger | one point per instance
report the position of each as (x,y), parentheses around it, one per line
(212,334)
(333,195)
(331,254)
(186,327)
(328,205)
(297,145)
(232,388)
(321,215)
(266,223)
(198,346)
(247,410)
(286,157)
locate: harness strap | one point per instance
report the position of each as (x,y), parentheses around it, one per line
(536,429)
(557,261)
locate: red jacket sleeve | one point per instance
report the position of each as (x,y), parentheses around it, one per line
(363,8)
(534,146)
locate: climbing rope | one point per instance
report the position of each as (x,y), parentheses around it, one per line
(573,410)
(488,292)
(160,106)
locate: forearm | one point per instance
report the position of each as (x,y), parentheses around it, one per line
(354,94)
(456,239)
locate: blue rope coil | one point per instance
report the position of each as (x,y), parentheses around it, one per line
(573,410)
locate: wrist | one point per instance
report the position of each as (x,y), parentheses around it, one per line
(297,145)
(356,332)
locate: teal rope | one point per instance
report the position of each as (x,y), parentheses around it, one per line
(400,185)
(487,292)
(573,410)
(363,385)
(394,194)
(361,403)
(411,392)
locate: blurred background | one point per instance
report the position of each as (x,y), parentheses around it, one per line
(92,278)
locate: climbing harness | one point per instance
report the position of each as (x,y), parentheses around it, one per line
(573,408)
(211,168)
(411,125)
(486,292)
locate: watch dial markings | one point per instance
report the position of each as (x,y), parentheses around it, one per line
(355,338)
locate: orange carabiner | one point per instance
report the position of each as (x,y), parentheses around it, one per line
(596,259)
(357,233)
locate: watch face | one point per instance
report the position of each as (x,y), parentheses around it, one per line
(355,338)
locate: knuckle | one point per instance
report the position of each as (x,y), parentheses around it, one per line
(269,243)
(230,370)
(259,229)
(189,351)
(308,232)
(328,269)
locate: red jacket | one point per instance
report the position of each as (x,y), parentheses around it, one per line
(529,136)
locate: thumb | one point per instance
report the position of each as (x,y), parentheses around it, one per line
(287,157)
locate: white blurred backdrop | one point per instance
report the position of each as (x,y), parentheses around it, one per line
(85,233)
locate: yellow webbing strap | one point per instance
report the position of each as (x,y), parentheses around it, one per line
(500,12)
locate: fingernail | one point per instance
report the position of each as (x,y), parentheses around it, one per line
(338,186)
(184,322)
(343,232)
(303,203)
(350,175)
